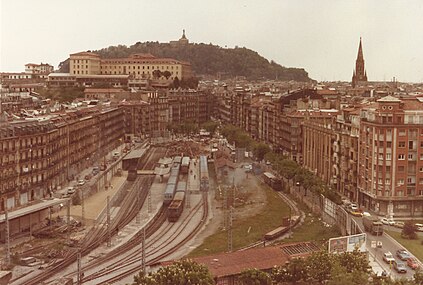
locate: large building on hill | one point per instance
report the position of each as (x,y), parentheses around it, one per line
(359,73)
(141,66)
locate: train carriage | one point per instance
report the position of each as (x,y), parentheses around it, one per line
(177,160)
(169,193)
(272,181)
(181,186)
(176,207)
(204,174)
(185,165)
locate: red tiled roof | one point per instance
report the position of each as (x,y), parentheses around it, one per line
(226,264)
(86,53)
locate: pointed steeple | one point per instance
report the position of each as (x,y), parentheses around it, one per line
(183,34)
(360,74)
(360,51)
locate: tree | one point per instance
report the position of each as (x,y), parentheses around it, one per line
(293,272)
(319,266)
(210,126)
(167,74)
(157,74)
(254,277)
(260,150)
(176,84)
(409,230)
(179,273)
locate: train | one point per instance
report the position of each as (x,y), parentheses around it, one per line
(176,206)
(272,181)
(204,174)
(185,165)
(172,181)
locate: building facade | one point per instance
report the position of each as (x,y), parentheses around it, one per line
(390,161)
(38,156)
(140,66)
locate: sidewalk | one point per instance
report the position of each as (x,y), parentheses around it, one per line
(95,203)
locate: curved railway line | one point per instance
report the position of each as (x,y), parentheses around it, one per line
(134,269)
(129,208)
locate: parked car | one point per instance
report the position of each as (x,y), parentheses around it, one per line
(399,225)
(88,177)
(419,227)
(400,266)
(354,207)
(413,263)
(387,221)
(356,213)
(388,257)
(81,182)
(70,190)
(403,254)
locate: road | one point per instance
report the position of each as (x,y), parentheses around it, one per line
(388,244)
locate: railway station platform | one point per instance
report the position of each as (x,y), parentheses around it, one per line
(193,179)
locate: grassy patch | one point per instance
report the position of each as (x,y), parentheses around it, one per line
(260,224)
(313,229)
(413,245)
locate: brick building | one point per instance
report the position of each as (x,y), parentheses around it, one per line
(390,160)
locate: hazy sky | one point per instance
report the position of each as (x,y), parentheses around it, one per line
(318,35)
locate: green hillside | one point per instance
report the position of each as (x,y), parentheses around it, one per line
(208,59)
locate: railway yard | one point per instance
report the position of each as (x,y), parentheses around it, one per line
(140,231)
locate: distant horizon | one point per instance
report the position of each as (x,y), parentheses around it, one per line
(320,37)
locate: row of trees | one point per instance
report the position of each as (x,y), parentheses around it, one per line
(351,268)
(189,128)
(282,165)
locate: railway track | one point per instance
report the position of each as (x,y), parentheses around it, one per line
(130,206)
(133,264)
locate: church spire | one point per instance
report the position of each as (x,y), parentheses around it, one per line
(360,51)
(360,74)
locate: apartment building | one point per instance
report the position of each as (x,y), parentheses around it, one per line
(40,69)
(390,169)
(38,156)
(319,146)
(347,130)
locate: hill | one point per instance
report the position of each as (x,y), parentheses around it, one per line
(208,59)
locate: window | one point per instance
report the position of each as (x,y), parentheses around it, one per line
(401,144)
(380,181)
(421,156)
(421,169)
(387,181)
(421,144)
(401,168)
(420,181)
(410,145)
(381,156)
(410,156)
(401,132)
(400,181)
(388,144)
(401,156)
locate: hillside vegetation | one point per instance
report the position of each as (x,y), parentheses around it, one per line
(208,59)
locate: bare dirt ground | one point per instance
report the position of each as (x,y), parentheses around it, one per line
(249,188)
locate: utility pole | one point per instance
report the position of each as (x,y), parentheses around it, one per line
(7,237)
(230,229)
(82,206)
(149,201)
(79,275)
(143,251)
(109,241)
(138,216)
(68,219)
